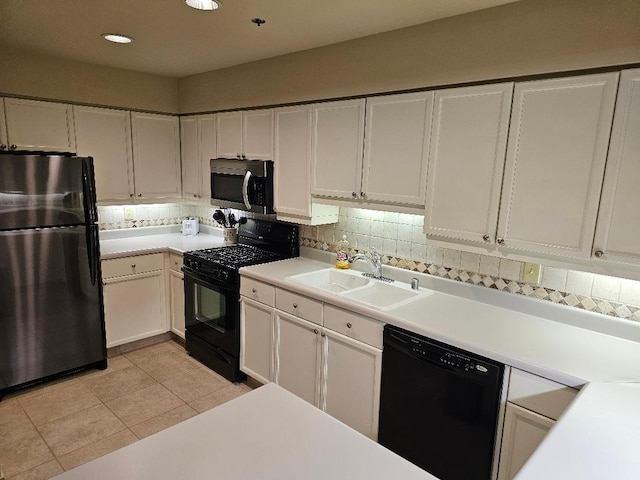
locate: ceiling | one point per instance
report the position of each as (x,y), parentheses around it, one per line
(174,40)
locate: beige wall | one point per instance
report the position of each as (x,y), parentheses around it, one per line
(526,37)
(27,74)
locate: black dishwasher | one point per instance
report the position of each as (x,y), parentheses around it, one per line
(439,405)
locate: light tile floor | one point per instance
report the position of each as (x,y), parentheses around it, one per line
(47,430)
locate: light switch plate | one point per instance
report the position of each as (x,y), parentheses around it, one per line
(531,273)
(128,213)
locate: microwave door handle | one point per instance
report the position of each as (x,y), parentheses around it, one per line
(245,189)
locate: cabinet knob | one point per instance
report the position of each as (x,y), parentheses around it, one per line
(253,290)
(13,146)
(238,156)
(133,265)
(354,194)
(322,334)
(131,195)
(500,241)
(599,253)
(295,305)
(362,194)
(195,196)
(3,147)
(349,325)
(139,195)
(486,237)
(244,157)
(315,330)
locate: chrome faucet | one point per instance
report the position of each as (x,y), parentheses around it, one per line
(375,260)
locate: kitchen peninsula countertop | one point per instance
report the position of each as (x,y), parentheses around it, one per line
(270,434)
(144,240)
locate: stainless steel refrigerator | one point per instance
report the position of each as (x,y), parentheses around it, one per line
(51,307)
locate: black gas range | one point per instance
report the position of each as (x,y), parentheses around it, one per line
(212,291)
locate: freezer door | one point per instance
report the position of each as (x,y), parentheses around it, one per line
(45,191)
(51,319)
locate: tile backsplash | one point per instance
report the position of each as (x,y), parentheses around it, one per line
(399,237)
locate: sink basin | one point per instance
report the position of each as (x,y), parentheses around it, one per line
(332,280)
(352,285)
(385,296)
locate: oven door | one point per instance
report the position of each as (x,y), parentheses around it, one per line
(212,312)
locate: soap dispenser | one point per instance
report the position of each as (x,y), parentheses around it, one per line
(342,254)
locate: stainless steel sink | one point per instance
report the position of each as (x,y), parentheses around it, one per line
(367,291)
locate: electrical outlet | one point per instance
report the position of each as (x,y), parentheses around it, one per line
(531,273)
(128,213)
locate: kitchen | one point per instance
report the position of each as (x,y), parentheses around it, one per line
(510,48)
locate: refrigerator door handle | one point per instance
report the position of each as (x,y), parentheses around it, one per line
(91,217)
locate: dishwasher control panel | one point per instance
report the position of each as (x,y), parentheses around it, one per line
(446,357)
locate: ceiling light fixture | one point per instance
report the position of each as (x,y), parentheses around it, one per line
(203,4)
(117,38)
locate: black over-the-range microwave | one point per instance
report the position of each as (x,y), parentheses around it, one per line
(242,184)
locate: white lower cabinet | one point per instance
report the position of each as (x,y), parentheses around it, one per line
(176,294)
(533,405)
(134,298)
(336,367)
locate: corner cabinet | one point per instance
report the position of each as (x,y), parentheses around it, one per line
(466,162)
(325,355)
(39,126)
(619,216)
(198,147)
(105,134)
(156,154)
(134,298)
(292,157)
(558,139)
(247,134)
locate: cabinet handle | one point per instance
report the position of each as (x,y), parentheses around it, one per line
(315,330)
(354,194)
(13,146)
(349,325)
(486,238)
(253,290)
(133,265)
(295,305)
(599,253)
(500,241)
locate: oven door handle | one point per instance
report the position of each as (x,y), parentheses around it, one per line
(245,189)
(196,278)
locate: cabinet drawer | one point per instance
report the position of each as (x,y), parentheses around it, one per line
(175,262)
(258,291)
(539,394)
(119,267)
(353,325)
(299,306)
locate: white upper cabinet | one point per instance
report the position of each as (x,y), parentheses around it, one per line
(39,126)
(198,147)
(396,148)
(245,134)
(466,161)
(555,161)
(618,226)
(292,157)
(336,161)
(156,154)
(105,135)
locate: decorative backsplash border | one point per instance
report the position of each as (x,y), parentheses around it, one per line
(606,307)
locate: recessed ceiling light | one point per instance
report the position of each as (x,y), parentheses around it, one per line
(203,4)
(117,38)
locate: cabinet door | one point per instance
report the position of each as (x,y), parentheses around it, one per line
(524,430)
(257,134)
(229,134)
(291,161)
(466,161)
(176,287)
(105,135)
(619,217)
(554,168)
(256,340)
(190,157)
(207,148)
(351,382)
(134,307)
(396,148)
(35,125)
(3,127)
(337,142)
(156,155)
(297,360)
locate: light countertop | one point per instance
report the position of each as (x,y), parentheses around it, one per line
(269,434)
(140,241)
